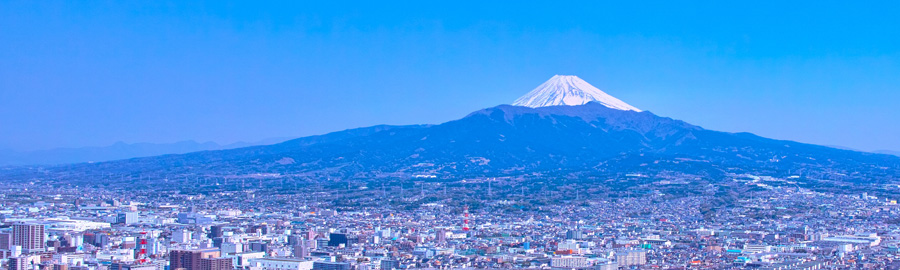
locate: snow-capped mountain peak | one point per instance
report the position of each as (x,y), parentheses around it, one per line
(572,91)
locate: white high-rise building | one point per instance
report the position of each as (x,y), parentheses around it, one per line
(569,262)
(29,236)
(181,236)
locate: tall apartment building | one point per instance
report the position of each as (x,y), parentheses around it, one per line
(29,236)
(390,264)
(629,257)
(569,262)
(216,231)
(191,259)
(216,264)
(128,218)
(301,251)
(24,262)
(6,245)
(574,234)
(6,241)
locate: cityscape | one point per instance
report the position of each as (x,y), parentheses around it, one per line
(425,225)
(476,171)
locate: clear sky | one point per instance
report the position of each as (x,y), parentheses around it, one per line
(91,73)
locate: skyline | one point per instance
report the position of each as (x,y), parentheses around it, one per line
(352,135)
(175,72)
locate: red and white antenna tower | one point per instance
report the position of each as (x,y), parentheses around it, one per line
(142,254)
(465,218)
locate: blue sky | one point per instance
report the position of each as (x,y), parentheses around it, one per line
(90,73)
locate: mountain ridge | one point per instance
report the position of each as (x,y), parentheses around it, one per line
(116,151)
(888,152)
(585,140)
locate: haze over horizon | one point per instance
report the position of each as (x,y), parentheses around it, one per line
(92,74)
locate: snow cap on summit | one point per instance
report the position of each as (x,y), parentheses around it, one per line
(571,91)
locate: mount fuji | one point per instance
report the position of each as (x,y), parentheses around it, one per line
(565,128)
(569,90)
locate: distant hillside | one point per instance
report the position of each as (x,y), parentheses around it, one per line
(555,141)
(119,150)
